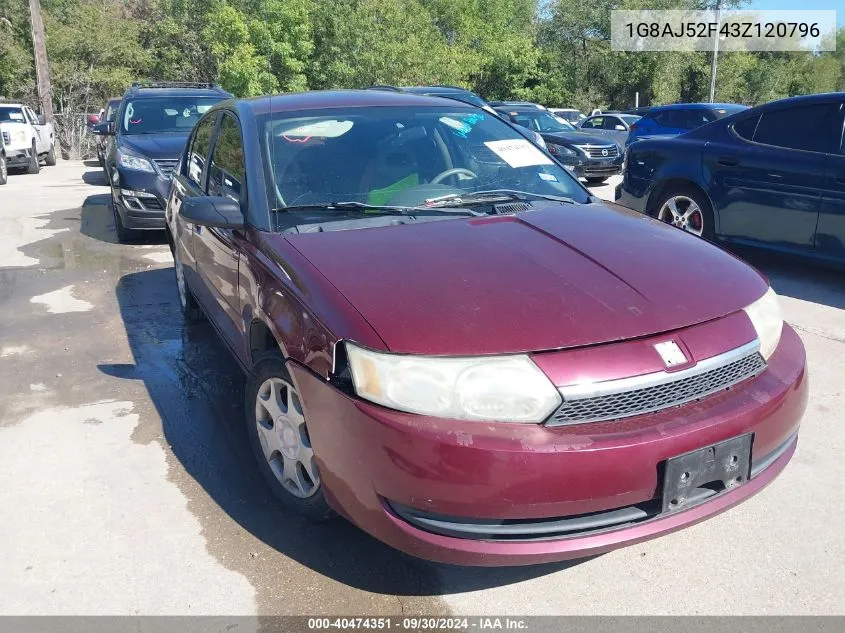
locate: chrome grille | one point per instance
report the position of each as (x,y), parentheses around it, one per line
(166,166)
(610,401)
(597,151)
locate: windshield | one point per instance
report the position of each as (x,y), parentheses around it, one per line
(407,156)
(573,116)
(11,114)
(541,121)
(164,114)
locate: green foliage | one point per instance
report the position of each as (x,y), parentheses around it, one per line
(555,52)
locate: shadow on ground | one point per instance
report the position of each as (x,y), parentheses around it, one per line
(97,222)
(95,177)
(798,279)
(197,389)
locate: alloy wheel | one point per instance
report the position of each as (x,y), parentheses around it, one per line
(684,213)
(284,437)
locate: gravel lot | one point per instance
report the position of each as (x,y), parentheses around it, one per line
(127,486)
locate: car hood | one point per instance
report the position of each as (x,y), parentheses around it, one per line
(557,277)
(155,146)
(575,138)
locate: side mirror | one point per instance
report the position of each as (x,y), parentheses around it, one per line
(42,120)
(223,213)
(103,129)
(93,119)
(619,128)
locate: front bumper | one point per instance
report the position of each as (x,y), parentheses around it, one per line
(140,198)
(593,167)
(18,156)
(384,470)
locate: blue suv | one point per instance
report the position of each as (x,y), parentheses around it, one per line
(150,130)
(677,118)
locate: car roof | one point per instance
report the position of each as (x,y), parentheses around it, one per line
(321,99)
(519,108)
(693,106)
(174,89)
(441,89)
(4,104)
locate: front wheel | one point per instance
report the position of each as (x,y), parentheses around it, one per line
(34,166)
(124,235)
(278,434)
(688,209)
(50,160)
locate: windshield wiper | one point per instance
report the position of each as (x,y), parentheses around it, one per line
(491,196)
(381,208)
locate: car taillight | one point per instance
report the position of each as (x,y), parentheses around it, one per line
(632,127)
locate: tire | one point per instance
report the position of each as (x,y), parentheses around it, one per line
(310,500)
(4,170)
(191,311)
(34,166)
(124,235)
(50,160)
(596,180)
(695,214)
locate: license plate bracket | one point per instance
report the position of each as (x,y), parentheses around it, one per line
(692,477)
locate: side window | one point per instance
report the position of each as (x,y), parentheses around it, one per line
(227,171)
(594,123)
(30,115)
(611,122)
(746,127)
(691,119)
(200,144)
(814,128)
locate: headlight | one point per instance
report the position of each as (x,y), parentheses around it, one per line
(130,161)
(538,139)
(767,319)
(561,150)
(504,388)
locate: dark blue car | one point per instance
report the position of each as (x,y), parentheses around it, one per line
(678,118)
(771,176)
(150,130)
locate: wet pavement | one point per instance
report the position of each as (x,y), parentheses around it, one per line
(127,484)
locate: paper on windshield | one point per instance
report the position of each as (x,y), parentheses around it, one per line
(519,153)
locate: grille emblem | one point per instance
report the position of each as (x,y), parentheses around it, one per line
(604,152)
(670,353)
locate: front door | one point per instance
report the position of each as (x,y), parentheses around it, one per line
(216,249)
(830,233)
(766,184)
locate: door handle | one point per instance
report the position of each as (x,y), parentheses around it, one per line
(728,162)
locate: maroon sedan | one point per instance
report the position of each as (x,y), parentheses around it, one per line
(451,343)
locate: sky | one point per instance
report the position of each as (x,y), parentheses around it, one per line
(809,5)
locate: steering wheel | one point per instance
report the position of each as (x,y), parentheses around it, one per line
(443,175)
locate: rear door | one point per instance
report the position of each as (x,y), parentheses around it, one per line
(216,249)
(830,233)
(766,183)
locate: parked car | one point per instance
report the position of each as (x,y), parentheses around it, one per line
(613,127)
(449,342)
(29,138)
(771,177)
(671,120)
(570,115)
(106,116)
(585,155)
(458,94)
(148,135)
(517,104)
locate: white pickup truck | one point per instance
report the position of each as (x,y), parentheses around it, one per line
(26,139)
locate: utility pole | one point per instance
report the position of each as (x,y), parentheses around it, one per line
(715,60)
(42,67)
